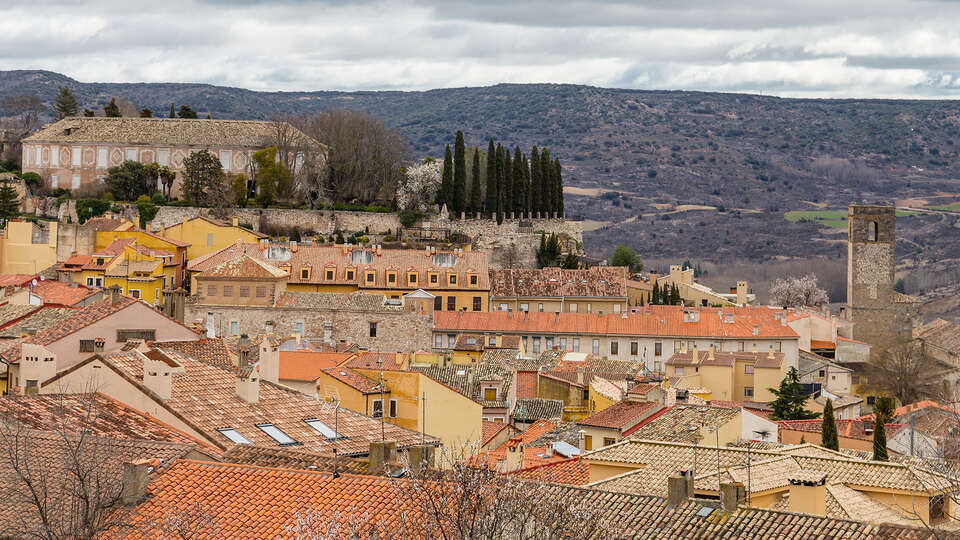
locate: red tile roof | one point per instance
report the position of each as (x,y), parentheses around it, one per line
(368,360)
(15,280)
(760,359)
(59,292)
(213,351)
(245,267)
(652,321)
(622,416)
(355,380)
(490,430)
(822,344)
(308,365)
(571,471)
(526,384)
(850,429)
(75,263)
(596,281)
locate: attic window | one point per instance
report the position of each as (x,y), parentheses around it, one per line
(471,341)
(234,436)
(277,434)
(324,430)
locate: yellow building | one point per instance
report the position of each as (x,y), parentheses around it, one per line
(728,376)
(27,247)
(173,252)
(206,235)
(140,272)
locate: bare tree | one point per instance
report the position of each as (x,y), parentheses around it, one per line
(185,524)
(25,111)
(798,292)
(904,372)
(362,158)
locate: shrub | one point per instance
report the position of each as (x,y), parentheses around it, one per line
(143,199)
(32,180)
(147,209)
(158,198)
(408,218)
(89,208)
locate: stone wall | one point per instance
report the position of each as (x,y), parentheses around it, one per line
(512,243)
(397,329)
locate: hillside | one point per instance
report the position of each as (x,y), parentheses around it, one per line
(703,176)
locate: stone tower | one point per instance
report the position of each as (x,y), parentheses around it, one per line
(871,301)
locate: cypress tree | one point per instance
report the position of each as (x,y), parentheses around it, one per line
(675,295)
(459,175)
(9,203)
(112,110)
(490,206)
(65,105)
(446,183)
(536,196)
(558,185)
(518,187)
(879,437)
(655,294)
(498,182)
(507,183)
(173,112)
(546,171)
(476,198)
(828,431)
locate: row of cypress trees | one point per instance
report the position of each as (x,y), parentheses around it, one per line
(513,182)
(665,296)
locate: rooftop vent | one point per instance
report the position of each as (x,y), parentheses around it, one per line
(278,253)
(444,259)
(362,256)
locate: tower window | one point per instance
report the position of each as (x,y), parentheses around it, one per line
(872,231)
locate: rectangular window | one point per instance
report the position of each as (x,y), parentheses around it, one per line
(371,277)
(588,442)
(524,307)
(747,391)
(163,156)
(586,393)
(391,278)
(677,344)
(548,341)
(657,348)
(373,329)
(596,346)
(473,280)
(563,344)
(299,328)
(261,292)
(126,335)
(209,239)
(277,434)
(634,348)
(477,303)
(871,400)
(89,282)
(412,279)
(678,371)
(211,290)
(740,346)
(75,155)
(573,308)
(135,293)
(748,369)
(228,291)
(330,274)
(377,408)
(54,181)
(451,340)
(451,303)
(540,308)
(614,347)
(438,303)
(234,328)
(55,157)
(324,429)
(607,441)
(433,279)
(86,345)
(453,279)
(350,275)
(536,344)
(75,182)
(576,344)
(304,273)
(234,436)
(98,282)
(244,291)
(131,154)
(437,341)
(40,154)
(779,347)
(225,159)
(393,408)
(489,394)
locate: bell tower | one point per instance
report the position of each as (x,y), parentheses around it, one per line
(871,301)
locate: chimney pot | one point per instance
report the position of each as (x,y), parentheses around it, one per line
(136,474)
(732,495)
(677,490)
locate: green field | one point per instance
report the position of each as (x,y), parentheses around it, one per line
(955,207)
(829,218)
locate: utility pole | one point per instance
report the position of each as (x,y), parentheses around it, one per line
(383,408)
(336,437)
(423,422)
(719,491)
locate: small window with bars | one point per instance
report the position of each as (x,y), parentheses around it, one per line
(145,334)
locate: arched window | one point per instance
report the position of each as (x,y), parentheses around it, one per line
(872,231)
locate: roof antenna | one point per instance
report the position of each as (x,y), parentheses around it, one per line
(383,436)
(336,437)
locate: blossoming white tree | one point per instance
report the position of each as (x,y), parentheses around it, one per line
(797,292)
(418,190)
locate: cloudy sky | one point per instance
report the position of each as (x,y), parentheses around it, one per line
(810,48)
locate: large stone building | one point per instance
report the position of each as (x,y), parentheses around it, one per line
(77,151)
(881,316)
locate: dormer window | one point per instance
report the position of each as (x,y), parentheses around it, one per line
(304,272)
(371,276)
(412,278)
(330,274)
(434,278)
(391,278)
(351,274)
(474,280)
(452,279)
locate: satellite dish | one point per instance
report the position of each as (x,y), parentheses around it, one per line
(34,283)
(42,278)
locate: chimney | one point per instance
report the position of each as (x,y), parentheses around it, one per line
(732,495)
(114,294)
(808,492)
(514,461)
(381,454)
(696,353)
(710,352)
(156,373)
(269,361)
(236,221)
(583,441)
(37,364)
(136,474)
(420,456)
(211,327)
(579,375)
(179,302)
(248,383)
(98,344)
(741,293)
(678,489)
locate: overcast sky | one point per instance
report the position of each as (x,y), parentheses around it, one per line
(835,48)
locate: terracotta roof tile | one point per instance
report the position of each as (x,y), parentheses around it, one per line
(213,351)
(674,424)
(571,471)
(622,415)
(529,409)
(469,380)
(490,430)
(243,266)
(596,281)
(15,280)
(368,360)
(59,292)
(290,458)
(308,365)
(850,429)
(355,380)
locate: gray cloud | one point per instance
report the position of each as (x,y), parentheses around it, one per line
(885,48)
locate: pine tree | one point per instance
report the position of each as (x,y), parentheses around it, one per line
(790,399)
(146,113)
(536,196)
(65,105)
(444,196)
(558,186)
(476,198)
(828,430)
(112,110)
(173,112)
(507,183)
(459,175)
(546,168)
(518,187)
(89,113)
(9,203)
(490,204)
